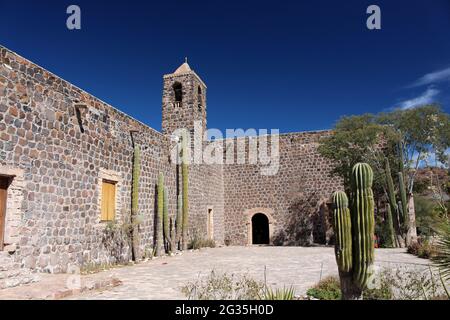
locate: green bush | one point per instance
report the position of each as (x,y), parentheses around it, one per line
(328,288)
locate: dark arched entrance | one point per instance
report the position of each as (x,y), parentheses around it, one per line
(260,229)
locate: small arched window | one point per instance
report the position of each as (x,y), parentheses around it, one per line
(178,91)
(199,98)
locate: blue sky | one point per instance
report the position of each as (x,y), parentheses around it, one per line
(290,65)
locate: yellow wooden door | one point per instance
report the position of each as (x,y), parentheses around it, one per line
(108,201)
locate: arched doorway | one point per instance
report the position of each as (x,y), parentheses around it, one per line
(260,229)
(268,223)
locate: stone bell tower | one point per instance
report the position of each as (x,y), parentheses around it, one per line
(183,101)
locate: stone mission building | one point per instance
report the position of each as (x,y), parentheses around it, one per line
(66,172)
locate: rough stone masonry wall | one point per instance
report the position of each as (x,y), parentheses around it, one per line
(295,198)
(61,166)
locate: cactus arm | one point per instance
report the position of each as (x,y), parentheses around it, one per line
(404,201)
(159,215)
(390,226)
(185,173)
(363,223)
(178,221)
(135,202)
(391,197)
(166,226)
(342,227)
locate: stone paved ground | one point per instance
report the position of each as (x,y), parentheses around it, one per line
(297,266)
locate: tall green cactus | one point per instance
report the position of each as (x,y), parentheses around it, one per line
(404,201)
(354,229)
(343,232)
(363,223)
(173,246)
(135,202)
(390,241)
(179,220)
(166,226)
(392,208)
(185,173)
(159,215)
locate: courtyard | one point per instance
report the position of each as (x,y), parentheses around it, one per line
(300,267)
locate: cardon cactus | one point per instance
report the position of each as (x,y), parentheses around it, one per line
(159,215)
(391,208)
(166,226)
(343,231)
(135,202)
(178,221)
(185,173)
(390,241)
(363,223)
(404,201)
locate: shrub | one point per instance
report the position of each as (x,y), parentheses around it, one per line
(279,294)
(328,288)
(423,248)
(401,283)
(197,242)
(383,291)
(224,287)
(415,284)
(413,248)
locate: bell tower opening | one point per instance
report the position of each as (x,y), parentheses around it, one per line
(178,92)
(199,99)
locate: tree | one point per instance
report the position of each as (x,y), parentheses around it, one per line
(423,133)
(405,138)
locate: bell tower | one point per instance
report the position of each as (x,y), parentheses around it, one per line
(183,101)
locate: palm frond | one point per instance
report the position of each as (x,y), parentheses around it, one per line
(442,257)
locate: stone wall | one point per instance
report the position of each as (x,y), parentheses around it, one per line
(58,143)
(294,199)
(64,141)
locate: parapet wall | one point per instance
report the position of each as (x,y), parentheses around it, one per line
(295,198)
(63,142)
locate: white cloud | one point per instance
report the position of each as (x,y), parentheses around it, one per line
(425,98)
(433,77)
